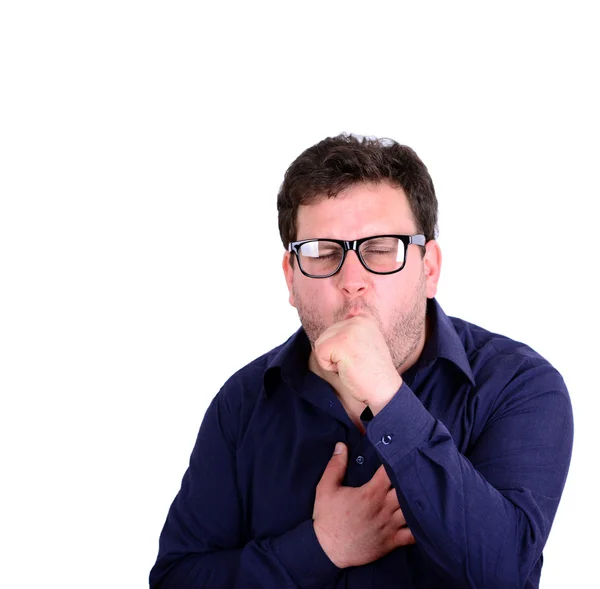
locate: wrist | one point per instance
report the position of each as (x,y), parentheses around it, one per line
(301,553)
(382,399)
(328,546)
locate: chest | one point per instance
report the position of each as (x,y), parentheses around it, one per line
(287,446)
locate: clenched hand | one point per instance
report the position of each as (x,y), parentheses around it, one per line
(353,356)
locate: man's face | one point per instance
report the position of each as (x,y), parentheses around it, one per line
(396,301)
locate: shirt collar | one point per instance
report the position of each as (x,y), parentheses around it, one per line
(443,342)
(290,360)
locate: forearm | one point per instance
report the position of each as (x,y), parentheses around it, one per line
(471,533)
(479,527)
(292,560)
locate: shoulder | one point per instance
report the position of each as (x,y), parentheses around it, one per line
(509,372)
(249,380)
(242,391)
(231,409)
(483,345)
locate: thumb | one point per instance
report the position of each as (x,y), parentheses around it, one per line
(336,467)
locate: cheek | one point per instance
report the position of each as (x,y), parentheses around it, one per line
(412,277)
(307,292)
(397,294)
(314,294)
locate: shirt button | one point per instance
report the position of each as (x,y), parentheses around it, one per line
(387,439)
(359,460)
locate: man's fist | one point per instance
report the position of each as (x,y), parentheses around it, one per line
(353,356)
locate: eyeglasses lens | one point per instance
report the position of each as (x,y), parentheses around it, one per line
(380,254)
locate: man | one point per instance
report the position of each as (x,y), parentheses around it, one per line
(384,444)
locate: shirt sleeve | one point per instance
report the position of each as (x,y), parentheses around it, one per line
(202,543)
(481,519)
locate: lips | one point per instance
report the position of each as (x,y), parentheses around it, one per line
(355,313)
(354,309)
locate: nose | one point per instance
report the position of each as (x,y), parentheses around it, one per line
(353,276)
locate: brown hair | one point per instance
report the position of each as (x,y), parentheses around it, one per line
(336,163)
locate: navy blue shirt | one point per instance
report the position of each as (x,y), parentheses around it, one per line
(477,444)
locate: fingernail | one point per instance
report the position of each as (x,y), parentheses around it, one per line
(339,448)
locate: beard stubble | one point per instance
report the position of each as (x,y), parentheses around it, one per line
(402,335)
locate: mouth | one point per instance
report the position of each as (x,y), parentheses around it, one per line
(355,313)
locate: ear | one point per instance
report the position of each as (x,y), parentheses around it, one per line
(288,272)
(432,264)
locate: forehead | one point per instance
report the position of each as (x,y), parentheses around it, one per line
(359,211)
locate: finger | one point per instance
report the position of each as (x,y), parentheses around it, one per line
(397,519)
(336,467)
(327,356)
(380,479)
(331,346)
(330,332)
(391,500)
(323,341)
(379,485)
(404,537)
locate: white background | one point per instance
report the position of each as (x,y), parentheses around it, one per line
(133,134)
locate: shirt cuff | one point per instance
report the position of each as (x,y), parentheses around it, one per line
(301,554)
(400,426)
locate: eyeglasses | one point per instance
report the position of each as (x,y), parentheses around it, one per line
(381,254)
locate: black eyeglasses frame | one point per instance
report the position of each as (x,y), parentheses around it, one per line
(294,247)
